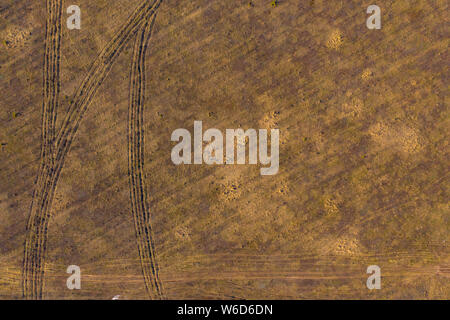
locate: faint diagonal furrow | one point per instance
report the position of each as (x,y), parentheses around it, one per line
(54,152)
(139,204)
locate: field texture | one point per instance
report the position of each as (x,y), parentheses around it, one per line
(86,176)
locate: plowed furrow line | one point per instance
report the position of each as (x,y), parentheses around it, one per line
(138,192)
(36,239)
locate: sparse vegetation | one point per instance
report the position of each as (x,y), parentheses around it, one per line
(363,131)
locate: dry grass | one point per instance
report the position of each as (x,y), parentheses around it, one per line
(363,151)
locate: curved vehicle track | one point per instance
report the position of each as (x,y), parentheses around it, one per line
(138,194)
(55,147)
(36,236)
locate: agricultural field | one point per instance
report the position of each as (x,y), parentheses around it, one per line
(87,176)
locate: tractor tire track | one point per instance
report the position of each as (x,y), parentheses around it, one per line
(37,230)
(99,70)
(51,89)
(138,194)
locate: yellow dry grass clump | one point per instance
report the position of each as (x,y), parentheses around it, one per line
(335,40)
(17,36)
(367,74)
(346,246)
(400,137)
